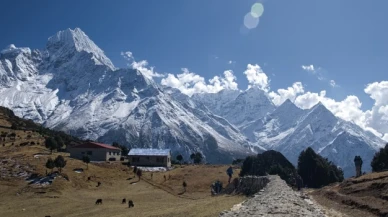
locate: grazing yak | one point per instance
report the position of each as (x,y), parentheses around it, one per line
(130,204)
(124,201)
(98,201)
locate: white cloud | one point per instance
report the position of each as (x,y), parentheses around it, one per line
(332,83)
(141,66)
(231,62)
(377,117)
(289,93)
(127,55)
(146,71)
(190,83)
(309,68)
(256,77)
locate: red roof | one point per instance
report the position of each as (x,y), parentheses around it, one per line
(95,145)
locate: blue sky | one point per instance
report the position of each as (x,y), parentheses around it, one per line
(345,40)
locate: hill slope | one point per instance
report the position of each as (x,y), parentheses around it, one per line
(363,196)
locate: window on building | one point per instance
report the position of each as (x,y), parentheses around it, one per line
(89,153)
(110,153)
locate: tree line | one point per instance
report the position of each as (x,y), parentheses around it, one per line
(315,170)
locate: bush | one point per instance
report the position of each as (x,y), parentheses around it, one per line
(317,171)
(380,160)
(269,162)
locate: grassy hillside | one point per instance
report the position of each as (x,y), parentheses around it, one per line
(26,130)
(363,196)
(77,196)
(22,153)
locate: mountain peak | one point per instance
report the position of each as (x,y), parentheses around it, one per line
(69,40)
(319,105)
(288,107)
(321,110)
(13,49)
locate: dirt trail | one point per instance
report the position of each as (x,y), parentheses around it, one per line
(278,199)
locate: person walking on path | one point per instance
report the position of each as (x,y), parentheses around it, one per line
(229,171)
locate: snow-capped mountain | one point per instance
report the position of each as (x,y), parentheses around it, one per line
(72,86)
(238,107)
(290,130)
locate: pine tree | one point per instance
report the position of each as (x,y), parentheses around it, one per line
(51,144)
(60,163)
(198,158)
(380,160)
(317,171)
(192,156)
(50,164)
(179,158)
(59,141)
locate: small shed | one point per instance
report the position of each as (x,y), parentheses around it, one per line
(150,157)
(95,151)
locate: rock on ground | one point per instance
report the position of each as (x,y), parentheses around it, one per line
(277,199)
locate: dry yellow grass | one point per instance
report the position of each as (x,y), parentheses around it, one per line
(76,197)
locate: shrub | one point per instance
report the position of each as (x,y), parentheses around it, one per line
(317,171)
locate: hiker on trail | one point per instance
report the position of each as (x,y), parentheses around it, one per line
(152,175)
(358,164)
(229,171)
(299,182)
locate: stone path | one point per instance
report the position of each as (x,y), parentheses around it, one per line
(277,199)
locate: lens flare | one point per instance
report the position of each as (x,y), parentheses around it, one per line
(250,21)
(257,10)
